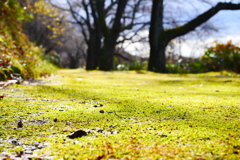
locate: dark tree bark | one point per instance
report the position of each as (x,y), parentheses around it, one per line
(159,37)
(157,42)
(93,51)
(95,35)
(110,38)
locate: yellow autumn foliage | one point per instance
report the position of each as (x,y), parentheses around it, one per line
(17,54)
(48,16)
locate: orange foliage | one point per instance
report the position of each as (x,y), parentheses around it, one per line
(222,57)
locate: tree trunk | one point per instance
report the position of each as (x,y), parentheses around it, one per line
(158,43)
(157,59)
(106,59)
(93,51)
(110,38)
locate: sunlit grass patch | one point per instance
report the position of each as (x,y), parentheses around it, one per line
(126,115)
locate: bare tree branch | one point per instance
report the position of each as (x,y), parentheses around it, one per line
(172,33)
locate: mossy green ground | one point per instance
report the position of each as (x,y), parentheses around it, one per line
(146,116)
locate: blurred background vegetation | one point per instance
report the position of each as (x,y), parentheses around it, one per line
(18,56)
(36,38)
(221,57)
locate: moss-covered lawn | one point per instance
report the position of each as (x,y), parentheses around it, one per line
(127,115)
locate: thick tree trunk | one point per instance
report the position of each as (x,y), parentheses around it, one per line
(158,43)
(157,59)
(93,51)
(91,58)
(111,36)
(106,59)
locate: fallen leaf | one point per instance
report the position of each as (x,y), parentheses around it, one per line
(19,154)
(100,130)
(55,120)
(20,124)
(163,135)
(77,134)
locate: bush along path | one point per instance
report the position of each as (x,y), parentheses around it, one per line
(122,115)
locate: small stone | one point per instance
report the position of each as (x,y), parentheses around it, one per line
(101,111)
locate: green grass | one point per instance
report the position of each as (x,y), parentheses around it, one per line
(146,116)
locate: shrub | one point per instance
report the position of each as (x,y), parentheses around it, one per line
(137,65)
(222,57)
(218,58)
(178,67)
